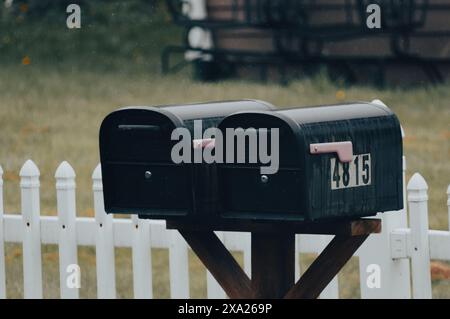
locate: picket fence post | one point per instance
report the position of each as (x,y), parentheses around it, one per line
(142,262)
(105,262)
(2,243)
(32,259)
(178,266)
(247,252)
(448,205)
(420,250)
(297,269)
(68,260)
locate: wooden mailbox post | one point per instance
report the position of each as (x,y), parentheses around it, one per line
(273,255)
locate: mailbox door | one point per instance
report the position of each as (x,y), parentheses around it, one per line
(246,192)
(147,188)
(371,182)
(138,173)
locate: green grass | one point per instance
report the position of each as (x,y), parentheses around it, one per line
(119,36)
(51,110)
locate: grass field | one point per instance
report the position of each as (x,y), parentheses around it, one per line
(56,85)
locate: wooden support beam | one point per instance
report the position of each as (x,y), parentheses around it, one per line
(273,268)
(325,267)
(273,256)
(219,261)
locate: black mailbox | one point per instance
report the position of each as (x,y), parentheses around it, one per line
(139,176)
(340,161)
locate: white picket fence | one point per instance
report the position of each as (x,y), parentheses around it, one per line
(392,250)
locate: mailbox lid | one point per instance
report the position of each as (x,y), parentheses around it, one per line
(143,133)
(372,181)
(137,134)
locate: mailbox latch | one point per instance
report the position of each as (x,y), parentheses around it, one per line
(344,150)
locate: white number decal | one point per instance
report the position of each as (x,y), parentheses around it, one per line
(356,173)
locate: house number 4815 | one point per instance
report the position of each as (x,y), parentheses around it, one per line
(352,174)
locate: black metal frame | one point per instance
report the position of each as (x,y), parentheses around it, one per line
(288,19)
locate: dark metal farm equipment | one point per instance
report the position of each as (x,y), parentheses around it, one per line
(280,34)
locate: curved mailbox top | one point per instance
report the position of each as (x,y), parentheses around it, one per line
(336,161)
(312,114)
(141,131)
(211,113)
(139,173)
(215,109)
(337,112)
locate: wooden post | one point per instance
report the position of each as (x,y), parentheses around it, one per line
(332,290)
(325,267)
(273,264)
(273,256)
(213,288)
(219,262)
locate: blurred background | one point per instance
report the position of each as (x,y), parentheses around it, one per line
(57,84)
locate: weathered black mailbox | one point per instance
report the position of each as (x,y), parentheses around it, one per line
(341,161)
(139,176)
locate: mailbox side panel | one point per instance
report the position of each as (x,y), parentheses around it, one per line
(370,183)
